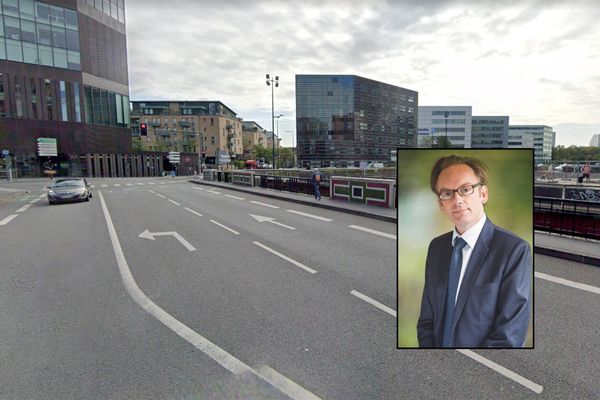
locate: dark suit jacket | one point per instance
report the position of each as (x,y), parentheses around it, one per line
(493,305)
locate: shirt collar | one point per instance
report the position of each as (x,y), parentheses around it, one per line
(471,235)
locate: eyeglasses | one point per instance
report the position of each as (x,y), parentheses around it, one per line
(447,194)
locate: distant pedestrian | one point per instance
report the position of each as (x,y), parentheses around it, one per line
(315,180)
(587,170)
(173,174)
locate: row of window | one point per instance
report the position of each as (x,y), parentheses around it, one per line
(450,121)
(14,50)
(112,8)
(449,113)
(40,12)
(36,32)
(106,108)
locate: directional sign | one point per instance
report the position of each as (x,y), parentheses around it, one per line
(47,147)
(260,218)
(149,235)
(174,157)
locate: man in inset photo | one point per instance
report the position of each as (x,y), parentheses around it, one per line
(477,290)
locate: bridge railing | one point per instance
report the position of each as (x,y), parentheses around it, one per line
(577,218)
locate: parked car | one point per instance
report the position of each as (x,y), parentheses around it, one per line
(69,190)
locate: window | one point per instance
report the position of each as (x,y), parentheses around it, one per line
(44,34)
(88,103)
(112,109)
(105,107)
(212,140)
(28,32)
(119,109)
(106,7)
(60,58)
(59,38)
(63,101)
(18,98)
(13,50)
(97,109)
(42,12)
(26,9)
(2,49)
(74,60)
(49,98)
(77,102)
(71,19)
(57,16)
(30,53)
(12,29)
(72,40)
(45,55)
(10,7)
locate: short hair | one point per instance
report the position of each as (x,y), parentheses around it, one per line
(478,167)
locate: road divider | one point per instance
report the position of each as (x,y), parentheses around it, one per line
(286,258)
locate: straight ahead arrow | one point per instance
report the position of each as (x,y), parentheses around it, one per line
(149,235)
(260,218)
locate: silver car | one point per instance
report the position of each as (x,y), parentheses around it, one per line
(69,190)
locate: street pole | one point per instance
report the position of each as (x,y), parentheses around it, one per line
(278,150)
(446,119)
(273,83)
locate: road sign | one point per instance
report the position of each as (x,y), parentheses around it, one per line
(5,153)
(174,157)
(47,147)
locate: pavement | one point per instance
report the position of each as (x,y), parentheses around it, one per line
(380,213)
(568,248)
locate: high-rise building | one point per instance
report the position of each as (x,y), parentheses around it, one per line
(342,120)
(452,122)
(63,75)
(544,139)
(489,132)
(595,141)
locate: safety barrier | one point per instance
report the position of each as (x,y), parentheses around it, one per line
(375,192)
(579,218)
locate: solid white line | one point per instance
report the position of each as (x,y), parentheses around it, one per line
(263,204)
(8,219)
(503,371)
(234,197)
(286,258)
(374,303)
(36,200)
(193,212)
(117,184)
(104,185)
(212,191)
(160,195)
(198,188)
(10,190)
(174,202)
(224,227)
(140,183)
(129,184)
(227,360)
(151,183)
(25,207)
(151,191)
(576,285)
(373,231)
(284,384)
(309,215)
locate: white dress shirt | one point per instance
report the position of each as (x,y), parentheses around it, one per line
(470,236)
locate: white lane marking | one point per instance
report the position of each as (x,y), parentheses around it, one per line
(92,186)
(224,227)
(309,215)
(36,200)
(234,197)
(151,183)
(8,219)
(263,204)
(373,231)
(104,185)
(270,220)
(129,184)
(25,207)
(45,189)
(117,184)
(150,235)
(174,202)
(198,188)
(474,356)
(151,191)
(576,285)
(286,258)
(141,184)
(503,371)
(227,360)
(42,196)
(160,195)
(212,191)
(284,384)
(10,190)
(375,303)
(193,212)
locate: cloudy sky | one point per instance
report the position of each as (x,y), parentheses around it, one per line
(536,61)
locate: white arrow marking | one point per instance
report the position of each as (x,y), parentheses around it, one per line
(149,235)
(261,219)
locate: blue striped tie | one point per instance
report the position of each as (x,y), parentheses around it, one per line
(453,277)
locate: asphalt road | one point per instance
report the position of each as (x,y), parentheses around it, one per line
(240,308)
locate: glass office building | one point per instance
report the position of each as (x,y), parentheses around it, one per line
(489,132)
(63,75)
(342,120)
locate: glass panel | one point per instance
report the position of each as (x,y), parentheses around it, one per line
(10,7)
(12,28)
(63,101)
(19,99)
(60,58)
(113,10)
(71,19)
(42,12)
(58,38)
(121,15)
(34,106)
(28,31)
(90,2)
(106,7)
(13,50)
(87,103)
(1,26)
(119,110)
(57,16)
(121,3)
(97,110)
(44,34)
(98,4)
(45,53)
(126,111)
(26,9)
(77,102)
(30,53)
(105,110)
(49,99)
(112,108)
(72,40)
(2,49)
(74,59)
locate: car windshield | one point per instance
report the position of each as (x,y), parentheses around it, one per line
(68,183)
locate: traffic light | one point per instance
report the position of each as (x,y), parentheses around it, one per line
(143,129)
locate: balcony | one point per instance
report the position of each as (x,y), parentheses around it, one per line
(154,124)
(189,134)
(184,124)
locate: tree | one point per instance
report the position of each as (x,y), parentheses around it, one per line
(286,157)
(443,142)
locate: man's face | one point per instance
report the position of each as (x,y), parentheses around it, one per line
(465,211)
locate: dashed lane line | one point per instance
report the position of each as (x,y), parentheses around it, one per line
(197,188)
(566,282)
(36,200)
(471,354)
(24,208)
(117,184)
(193,212)
(373,231)
(224,227)
(214,192)
(174,202)
(104,185)
(141,184)
(263,204)
(160,195)
(286,258)
(234,197)
(8,219)
(309,215)
(151,191)
(129,184)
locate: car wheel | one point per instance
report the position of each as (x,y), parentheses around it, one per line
(50,202)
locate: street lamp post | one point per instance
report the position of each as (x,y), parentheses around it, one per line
(273,83)
(278,150)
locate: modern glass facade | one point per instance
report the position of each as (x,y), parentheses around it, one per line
(344,119)
(489,132)
(544,140)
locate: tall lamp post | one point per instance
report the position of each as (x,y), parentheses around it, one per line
(278,151)
(273,83)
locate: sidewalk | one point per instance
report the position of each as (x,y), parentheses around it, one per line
(380,213)
(568,248)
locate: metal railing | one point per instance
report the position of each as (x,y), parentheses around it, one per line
(577,218)
(291,184)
